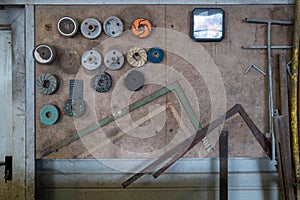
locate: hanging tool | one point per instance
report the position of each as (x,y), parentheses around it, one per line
(270,72)
(257,69)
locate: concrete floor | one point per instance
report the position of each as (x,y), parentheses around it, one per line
(171,32)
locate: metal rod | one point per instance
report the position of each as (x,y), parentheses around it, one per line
(223,153)
(181,149)
(175,87)
(271,98)
(255,67)
(266,21)
(270,75)
(263,141)
(294,97)
(285,169)
(265,47)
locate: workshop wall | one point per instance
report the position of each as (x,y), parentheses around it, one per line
(171,29)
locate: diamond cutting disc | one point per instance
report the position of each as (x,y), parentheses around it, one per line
(101,82)
(44,54)
(47,84)
(134,80)
(67,26)
(136,57)
(113,26)
(74,107)
(91,28)
(91,60)
(114,60)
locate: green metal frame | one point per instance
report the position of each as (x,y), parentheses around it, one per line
(175,87)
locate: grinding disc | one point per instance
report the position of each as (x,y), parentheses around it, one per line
(101,82)
(91,60)
(136,57)
(141,27)
(91,28)
(47,84)
(44,54)
(67,26)
(134,80)
(155,55)
(49,114)
(113,26)
(114,60)
(74,107)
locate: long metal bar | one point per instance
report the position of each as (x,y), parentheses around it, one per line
(266,47)
(263,141)
(267,21)
(271,98)
(285,169)
(124,111)
(294,97)
(223,154)
(99,2)
(182,148)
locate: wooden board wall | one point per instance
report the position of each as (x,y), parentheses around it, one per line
(249,90)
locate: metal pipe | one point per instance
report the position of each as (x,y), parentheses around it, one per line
(294,97)
(271,103)
(266,21)
(265,47)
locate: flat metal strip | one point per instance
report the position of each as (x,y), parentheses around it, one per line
(223,154)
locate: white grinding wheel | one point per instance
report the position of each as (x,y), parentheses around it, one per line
(137,57)
(91,60)
(113,26)
(90,28)
(114,60)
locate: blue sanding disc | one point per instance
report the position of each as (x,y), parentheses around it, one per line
(49,114)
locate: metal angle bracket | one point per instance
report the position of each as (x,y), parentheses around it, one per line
(175,87)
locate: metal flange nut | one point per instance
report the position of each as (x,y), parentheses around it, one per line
(137,57)
(114,60)
(47,84)
(155,55)
(134,80)
(74,107)
(67,26)
(91,28)
(101,82)
(141,27)
(49,114)
(44,54)
(113,26)
(91,60)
